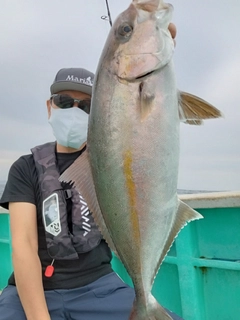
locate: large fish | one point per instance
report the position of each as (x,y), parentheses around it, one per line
(129,173)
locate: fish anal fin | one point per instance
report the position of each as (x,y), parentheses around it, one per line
(184,215)
(80,175)
(192,109)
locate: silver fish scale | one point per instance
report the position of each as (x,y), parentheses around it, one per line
(152,145)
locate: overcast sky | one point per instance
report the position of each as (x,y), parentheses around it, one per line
(38,38)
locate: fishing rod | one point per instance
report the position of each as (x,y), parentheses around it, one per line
(108,17)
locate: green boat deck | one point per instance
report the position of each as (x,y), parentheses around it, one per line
(200,277)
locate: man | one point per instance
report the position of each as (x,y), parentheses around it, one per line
(62,268)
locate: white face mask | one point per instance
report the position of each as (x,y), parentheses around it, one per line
(69,126)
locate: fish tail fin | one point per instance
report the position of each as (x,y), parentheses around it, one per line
(152,310)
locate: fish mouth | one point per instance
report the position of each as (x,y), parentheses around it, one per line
(140,78)
(145,75)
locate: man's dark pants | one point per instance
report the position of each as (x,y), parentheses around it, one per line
(108,298)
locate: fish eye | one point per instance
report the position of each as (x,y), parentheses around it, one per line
(125,30)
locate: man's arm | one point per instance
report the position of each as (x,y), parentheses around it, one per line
(26,263)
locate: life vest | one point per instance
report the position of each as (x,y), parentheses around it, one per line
(61,242)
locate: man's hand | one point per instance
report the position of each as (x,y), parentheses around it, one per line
(173,31)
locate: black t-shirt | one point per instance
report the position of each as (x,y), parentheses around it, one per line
(23,186)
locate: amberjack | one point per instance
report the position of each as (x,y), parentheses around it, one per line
(129,172)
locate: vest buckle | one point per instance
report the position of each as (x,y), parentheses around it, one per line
(68,194)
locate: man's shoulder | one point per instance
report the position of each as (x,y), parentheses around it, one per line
(24,160)
(28,158)
(22,167)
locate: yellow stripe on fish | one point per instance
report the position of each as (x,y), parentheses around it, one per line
(131,188)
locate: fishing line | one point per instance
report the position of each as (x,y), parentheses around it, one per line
(108,17)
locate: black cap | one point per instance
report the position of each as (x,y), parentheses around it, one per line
(77,79)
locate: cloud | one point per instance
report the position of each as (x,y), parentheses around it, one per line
(210,154)
(17,138)
(39,38)
(222,86)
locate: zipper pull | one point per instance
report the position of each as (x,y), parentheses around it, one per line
(49,270)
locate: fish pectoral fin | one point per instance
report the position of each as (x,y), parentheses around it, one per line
(192,109)
(147,98)
(146,107)
(80,175)
(184,215)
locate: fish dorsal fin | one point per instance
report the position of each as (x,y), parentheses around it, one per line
(184,215)
(80,175)
(193,110)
